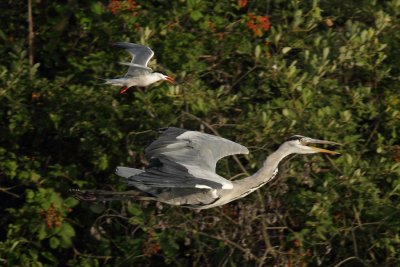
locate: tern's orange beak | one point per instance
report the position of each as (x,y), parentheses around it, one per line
(170,79)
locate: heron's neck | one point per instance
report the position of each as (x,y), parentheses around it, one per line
(263,175)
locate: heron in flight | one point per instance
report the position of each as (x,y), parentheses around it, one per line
(182,170)
(138,73)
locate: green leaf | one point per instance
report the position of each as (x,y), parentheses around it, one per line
(257,52)
(49,256)
(30,194)
(103,162)
(97,208)
(67,230)
(134,209)
(70,202)
(325,53)
(196,15)
(96,8)
(42,233)
(2,36)
(54,242)
(136,220)
(286,50)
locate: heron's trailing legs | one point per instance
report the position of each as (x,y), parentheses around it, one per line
(103,195)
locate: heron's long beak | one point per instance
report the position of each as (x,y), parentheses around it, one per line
(170,79)
(322,150)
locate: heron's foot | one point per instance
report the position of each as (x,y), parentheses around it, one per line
(102,195)
(83,195)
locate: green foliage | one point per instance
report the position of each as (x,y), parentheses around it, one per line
(324,69)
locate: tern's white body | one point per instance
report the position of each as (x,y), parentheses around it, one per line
(143,79)
(138,73)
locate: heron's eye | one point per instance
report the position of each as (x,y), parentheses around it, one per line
(303,141)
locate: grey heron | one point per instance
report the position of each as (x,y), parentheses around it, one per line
(182,166)
(138,73)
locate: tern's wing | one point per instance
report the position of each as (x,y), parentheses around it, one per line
(181,158)
(135,70)
(141,54)
(135,66)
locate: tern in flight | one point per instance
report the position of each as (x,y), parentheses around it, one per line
(182,170)
(138,73)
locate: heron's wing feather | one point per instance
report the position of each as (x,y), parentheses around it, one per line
(187,159)
(141,54)
(127,172)
(166,173)
(191,148)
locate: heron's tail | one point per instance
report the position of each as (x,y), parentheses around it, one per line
(127,172)
(103,195)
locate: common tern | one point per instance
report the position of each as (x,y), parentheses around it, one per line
(138,73)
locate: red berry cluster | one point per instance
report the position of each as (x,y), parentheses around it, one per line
(229,212)
(396,150)
(242,3)
(35,96)
(52,216)
(116,5)
(151,246)
(258,24)
(298,244)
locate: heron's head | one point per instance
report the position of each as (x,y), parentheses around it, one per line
(167,78)
(305,145)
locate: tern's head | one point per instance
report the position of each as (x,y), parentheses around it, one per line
(303,145)
(167,78)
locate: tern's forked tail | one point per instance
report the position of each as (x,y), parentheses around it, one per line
(117,82)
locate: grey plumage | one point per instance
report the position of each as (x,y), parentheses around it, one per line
(182,169)
(179,154)
(127,172)
(141,56)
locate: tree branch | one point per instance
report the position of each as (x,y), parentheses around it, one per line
(31,36)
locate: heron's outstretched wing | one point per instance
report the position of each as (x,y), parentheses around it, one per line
(181,158)
(193,148)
